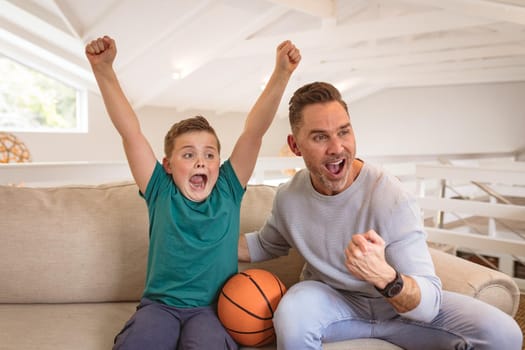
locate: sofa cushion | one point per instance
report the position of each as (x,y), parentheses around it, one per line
(94,326)
(62,326)
(256,206)
(72,244)
(355,344)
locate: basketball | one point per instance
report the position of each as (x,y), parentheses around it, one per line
(246,306)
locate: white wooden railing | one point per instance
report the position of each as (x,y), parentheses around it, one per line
(501,233)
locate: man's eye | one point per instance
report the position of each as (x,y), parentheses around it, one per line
(318,138)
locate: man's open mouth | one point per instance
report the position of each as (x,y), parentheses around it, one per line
(198,181)
(336,167)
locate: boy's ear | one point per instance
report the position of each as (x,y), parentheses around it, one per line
(293,145)
(166,165)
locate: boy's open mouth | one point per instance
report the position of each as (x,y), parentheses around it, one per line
(336,167)
(198,181)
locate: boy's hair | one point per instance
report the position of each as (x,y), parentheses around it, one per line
(317,92)
(197,123)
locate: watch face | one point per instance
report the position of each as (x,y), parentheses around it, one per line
(395,290)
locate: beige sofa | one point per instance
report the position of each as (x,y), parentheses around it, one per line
(73,263)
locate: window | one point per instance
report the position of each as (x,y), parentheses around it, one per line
(33,101)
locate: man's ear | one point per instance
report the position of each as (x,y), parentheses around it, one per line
(166,165)
(293,145)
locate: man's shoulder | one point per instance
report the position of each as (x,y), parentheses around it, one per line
(295,183)
(386,187)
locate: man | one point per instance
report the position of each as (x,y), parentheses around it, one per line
(368,270)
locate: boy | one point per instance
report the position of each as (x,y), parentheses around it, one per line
(194,208)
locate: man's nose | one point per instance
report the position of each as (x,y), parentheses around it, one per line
(335,146)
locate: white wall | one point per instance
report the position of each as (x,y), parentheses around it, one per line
(457,119)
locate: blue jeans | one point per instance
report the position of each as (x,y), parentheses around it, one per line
(312,313)
(161,327)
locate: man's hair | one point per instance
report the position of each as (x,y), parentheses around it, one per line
(197,123)
(317,92)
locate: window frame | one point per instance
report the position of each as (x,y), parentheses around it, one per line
(81,99)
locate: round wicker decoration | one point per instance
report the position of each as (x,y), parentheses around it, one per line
(12,150)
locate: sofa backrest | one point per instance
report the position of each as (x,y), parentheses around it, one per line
(89,243)
(72,244)
(255,209)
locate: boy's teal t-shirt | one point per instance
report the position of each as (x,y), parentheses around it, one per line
(193,245)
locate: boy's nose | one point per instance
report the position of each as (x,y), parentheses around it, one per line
(199,163)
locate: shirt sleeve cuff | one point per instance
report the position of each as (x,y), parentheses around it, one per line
(429,304)
(257,253)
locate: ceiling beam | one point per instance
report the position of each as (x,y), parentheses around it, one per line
(427,58)
(67,18)
(317,8)
(453,75)
(487,9)
(421,46)
(481,76)
(177,23)
(412,24)
(41,29)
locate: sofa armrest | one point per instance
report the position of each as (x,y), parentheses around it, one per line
(491,286)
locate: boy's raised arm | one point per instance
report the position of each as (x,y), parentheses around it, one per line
(101,53)
(246,150)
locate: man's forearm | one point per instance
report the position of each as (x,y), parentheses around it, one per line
(409,297)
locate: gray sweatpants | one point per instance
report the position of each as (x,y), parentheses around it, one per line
(158,326)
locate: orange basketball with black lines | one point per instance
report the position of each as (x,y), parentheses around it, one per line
(246,306)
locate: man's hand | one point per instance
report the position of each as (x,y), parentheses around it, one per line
(101,51)
(365,259)
(288,57)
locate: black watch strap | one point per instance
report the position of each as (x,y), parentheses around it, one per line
(393,288)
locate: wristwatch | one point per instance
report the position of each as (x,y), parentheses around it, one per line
(393,288)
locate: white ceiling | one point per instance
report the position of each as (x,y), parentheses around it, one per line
(223,50)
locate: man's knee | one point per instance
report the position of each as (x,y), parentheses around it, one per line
(501,331)
(299,315)
(483,325)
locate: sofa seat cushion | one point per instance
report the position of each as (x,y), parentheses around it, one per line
(89,326)
(356,344)
(93,326)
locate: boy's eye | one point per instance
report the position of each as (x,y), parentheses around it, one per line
(210,155)
(187,155)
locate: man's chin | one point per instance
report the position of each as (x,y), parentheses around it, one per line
(333,184)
